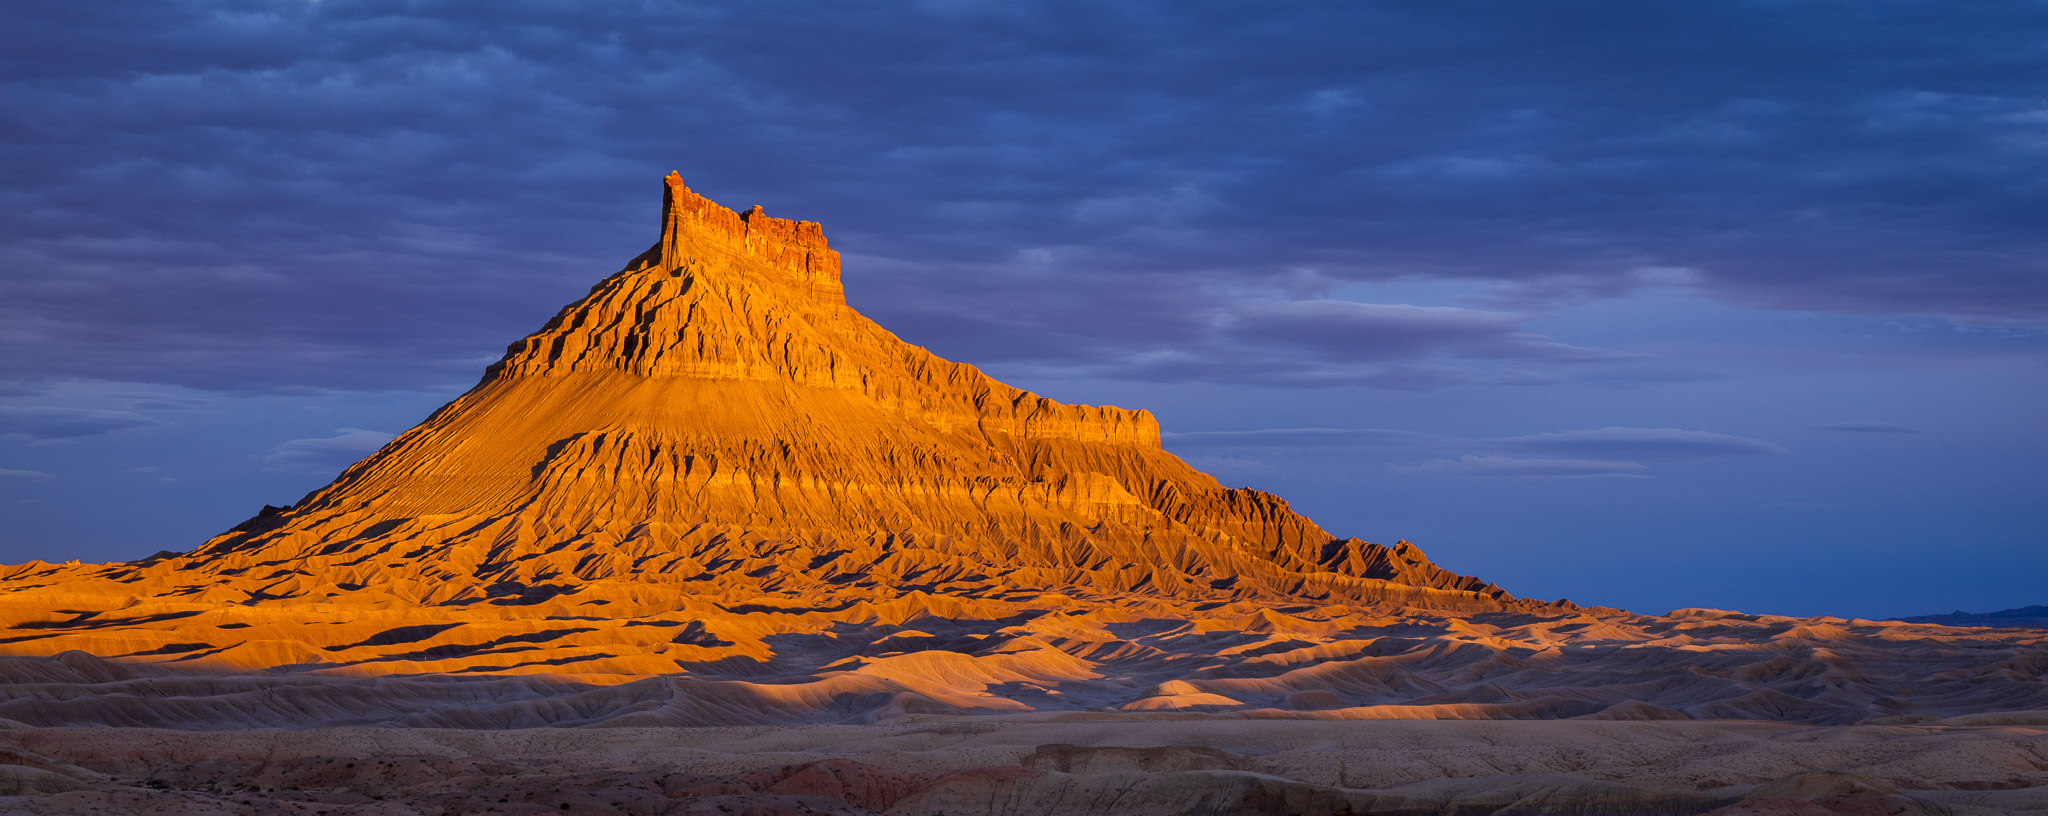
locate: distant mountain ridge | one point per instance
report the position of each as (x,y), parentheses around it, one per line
(2025,617)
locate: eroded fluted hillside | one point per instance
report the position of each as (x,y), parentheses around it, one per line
(714,425)
(711,493)
(716,414)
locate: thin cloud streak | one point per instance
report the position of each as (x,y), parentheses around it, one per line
(1864,427)
(1643,444)
(1610,452)
(328,453)
(53,424)
(1508,467)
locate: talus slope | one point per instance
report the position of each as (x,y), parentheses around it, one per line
(713,427)
(718,395)
(709,493)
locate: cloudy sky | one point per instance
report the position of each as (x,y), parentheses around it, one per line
(1733,304)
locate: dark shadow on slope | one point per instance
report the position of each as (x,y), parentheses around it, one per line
(402,634)
(92,620)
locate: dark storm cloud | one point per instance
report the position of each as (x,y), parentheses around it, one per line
(252,196)
(50,424)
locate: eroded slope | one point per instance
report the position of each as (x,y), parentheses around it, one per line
(713,427)
(711,493)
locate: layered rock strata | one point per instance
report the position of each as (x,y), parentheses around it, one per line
(714,427)
(711,494)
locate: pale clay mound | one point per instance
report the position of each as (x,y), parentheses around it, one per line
(712,495)
(1018,767)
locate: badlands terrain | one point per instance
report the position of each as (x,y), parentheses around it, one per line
(711,541)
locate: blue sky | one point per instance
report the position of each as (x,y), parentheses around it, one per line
(1651,305)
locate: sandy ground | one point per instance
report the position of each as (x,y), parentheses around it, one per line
(1066,764)
(856,664)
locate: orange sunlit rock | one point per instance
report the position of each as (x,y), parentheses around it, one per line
(714,427)
(711,493)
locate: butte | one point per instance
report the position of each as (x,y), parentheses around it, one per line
(711,493)
(714,429)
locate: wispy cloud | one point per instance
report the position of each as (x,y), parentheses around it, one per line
(48,424)
(8,473)
(1813,506)
(1864,427)
(1326,342)
(326,453)
(1372,437)
(1610,452)
(1642,444)
(1507,467)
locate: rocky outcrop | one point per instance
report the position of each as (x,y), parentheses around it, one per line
(711,493)
(714,426)
(715,416)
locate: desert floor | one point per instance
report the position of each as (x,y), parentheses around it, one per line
(1046,764)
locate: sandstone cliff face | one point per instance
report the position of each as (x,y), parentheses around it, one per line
(712,494)
(713,424)
(716,414)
